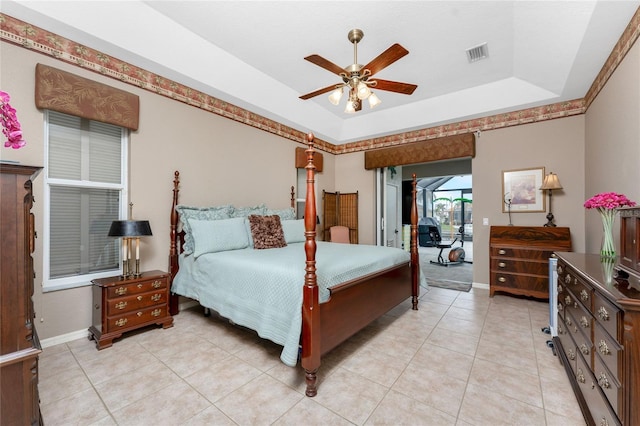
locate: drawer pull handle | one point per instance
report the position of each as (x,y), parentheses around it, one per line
(603,381)
(121,322)
(121,290)
(559,269)
(567,300)
(604,422)
(502,279)
(553,255)
(139,298)
(580,376)
(603,314)
(121,305)
(157,284)
(560,289)
(139,285)
(502,264)
(584,295)
(567,279)
(156,297)
(501,251)
(571,354)
(139,314)
(156,312)
(569,322)
(603,348)
(560,307)
(584,349)
(584,322)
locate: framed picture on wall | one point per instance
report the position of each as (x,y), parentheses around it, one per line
(521,190)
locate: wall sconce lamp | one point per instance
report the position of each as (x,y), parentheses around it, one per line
(550,183)
(130,230)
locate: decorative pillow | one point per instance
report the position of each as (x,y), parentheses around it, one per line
(293,231)
(266,232)
(260,209)
(285,214)
(200,213)
(211,236)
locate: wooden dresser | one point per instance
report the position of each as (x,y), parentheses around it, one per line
(19,345)
(519,258)
(599,338)
(126,305)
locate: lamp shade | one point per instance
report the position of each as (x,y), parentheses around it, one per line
(551,181)
(130,228)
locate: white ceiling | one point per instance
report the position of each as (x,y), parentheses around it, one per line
(250,53)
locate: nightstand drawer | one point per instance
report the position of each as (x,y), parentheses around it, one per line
(125,289)
(133,319)
(123,305)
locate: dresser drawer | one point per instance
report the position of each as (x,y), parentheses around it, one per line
(581,335)
(522,253)
(582,292)
(608,384)
(135,302)
(596,402)
(561,293)
(531,283)
(608,316)
(609,351)
(136,288)
(132,319)
(520,266)
(568,345)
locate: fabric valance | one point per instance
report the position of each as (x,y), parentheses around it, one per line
(62,91)
(445,148)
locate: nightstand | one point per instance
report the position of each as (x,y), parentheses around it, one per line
(121,305)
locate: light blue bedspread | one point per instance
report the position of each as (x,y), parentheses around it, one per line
(262,289)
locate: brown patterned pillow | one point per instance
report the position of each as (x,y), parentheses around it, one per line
(266,232)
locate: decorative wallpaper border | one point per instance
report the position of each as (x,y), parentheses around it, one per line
(30,37)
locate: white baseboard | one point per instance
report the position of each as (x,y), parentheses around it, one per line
(84,333)
(64,338)
(480,285)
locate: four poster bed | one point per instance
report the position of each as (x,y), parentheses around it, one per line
(345,286)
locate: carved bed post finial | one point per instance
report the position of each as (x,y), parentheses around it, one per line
(293,197)
(415,262)
(310,359)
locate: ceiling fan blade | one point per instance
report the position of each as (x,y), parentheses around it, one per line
(326,64)
(386,58)
(320,91)
(394,86)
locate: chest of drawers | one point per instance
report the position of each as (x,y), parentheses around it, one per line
(519,258)
(125,305)
(599,338)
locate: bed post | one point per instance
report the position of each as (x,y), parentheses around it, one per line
(310,359)
(415,262)
(173,247)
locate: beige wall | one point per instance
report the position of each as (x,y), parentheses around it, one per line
(220,161)
(612,144)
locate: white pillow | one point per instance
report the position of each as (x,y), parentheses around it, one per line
(293,231)
(211,236)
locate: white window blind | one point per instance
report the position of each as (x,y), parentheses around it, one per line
(85,192)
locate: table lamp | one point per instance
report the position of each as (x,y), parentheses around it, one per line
(550,183)
(130,230)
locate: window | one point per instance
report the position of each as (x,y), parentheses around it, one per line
(85,190)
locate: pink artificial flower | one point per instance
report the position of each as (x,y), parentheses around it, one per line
(10,124)
(608,201)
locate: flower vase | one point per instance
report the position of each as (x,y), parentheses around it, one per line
(608,249)
(608,270)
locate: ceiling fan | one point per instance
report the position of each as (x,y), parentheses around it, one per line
(358,79)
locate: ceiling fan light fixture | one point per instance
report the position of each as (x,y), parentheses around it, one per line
(363,90)
(335,96)
(374,101)
(350,108)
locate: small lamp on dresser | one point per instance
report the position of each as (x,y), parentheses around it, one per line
(130,230)
(550,183)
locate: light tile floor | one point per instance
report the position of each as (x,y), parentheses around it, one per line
(461,359)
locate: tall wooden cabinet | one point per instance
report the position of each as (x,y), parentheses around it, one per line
(519,258)
(19,345)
